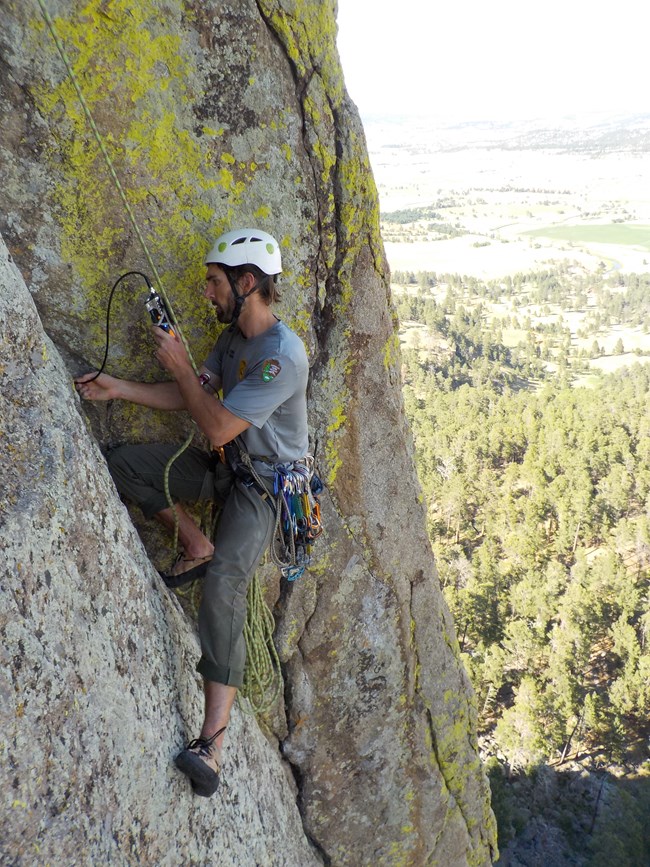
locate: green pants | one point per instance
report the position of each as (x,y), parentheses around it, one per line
(244,531)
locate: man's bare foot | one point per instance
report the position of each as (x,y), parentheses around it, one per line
(185,570)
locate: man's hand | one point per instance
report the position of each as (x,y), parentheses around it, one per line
(157,395)
(171,353)
(104,387)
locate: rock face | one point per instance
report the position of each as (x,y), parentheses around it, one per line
(97,682)
(214,115)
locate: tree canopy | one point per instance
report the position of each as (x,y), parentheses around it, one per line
(538,497)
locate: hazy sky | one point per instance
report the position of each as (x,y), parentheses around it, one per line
(476,59)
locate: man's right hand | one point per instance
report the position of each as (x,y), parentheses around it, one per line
(104,387)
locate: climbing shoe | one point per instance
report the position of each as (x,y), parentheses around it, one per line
(186,570)
(201,761)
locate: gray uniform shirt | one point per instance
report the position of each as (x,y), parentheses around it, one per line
(264,381)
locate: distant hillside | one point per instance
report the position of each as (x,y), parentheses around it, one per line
(618,135)
(589,133)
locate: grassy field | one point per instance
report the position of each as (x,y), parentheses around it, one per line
(485,211)
(612,233)
(509,209)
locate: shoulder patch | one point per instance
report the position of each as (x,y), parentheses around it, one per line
(242,368)
(270,369)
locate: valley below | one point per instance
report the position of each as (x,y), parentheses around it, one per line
(520,272)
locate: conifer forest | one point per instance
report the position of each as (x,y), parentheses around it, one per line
(536,477)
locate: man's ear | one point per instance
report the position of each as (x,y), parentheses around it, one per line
(246,282)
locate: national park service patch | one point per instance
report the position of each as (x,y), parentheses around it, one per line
(270,369)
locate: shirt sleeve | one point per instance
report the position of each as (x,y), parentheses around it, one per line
(214,359)
(265,387)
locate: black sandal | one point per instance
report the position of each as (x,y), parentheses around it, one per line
(179,576)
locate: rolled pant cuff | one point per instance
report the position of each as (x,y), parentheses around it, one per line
(219,674)
(154,505)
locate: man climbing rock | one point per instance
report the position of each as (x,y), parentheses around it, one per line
(261,368)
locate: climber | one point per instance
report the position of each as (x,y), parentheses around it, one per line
(261,367)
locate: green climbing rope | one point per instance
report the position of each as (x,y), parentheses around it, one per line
(262,677)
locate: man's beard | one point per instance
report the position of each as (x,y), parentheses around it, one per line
(224,316)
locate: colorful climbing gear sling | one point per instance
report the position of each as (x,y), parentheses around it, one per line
(296,491)
(298,522)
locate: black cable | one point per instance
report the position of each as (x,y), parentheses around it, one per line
(108,314)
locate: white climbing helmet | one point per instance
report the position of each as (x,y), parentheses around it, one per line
(247,247)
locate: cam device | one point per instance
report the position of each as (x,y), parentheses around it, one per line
(158,312)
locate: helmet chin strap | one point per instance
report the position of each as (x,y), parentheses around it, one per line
(239,299)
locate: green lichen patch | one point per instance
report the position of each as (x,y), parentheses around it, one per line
(161,165)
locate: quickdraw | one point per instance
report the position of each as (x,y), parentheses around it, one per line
(298,518)
(296,489)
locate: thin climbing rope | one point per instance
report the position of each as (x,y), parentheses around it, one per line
(136,228)
(107,159)
(262,678)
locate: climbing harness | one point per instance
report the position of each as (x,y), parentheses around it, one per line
(297,524)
